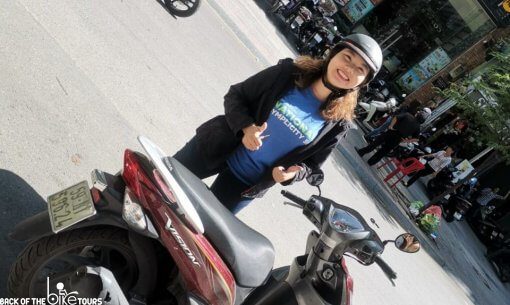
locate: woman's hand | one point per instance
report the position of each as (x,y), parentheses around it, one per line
(252,138)
(280,174)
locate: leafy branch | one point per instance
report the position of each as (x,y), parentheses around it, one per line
(485,101)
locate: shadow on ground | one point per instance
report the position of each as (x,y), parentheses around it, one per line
(18,201)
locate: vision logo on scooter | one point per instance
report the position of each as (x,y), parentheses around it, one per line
(169,227)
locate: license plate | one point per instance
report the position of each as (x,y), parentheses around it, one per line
(299,20)
(317,37)
(70,206)
(285,2)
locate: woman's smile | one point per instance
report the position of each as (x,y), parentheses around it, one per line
(342,75)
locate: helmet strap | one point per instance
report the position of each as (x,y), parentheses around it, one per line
(335,92)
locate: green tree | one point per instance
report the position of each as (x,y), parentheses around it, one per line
(485,100)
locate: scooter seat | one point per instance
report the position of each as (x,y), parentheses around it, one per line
(248,254)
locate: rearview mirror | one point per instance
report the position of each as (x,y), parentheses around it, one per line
(316,177)
(407,242)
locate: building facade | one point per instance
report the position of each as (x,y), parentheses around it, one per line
(427,43)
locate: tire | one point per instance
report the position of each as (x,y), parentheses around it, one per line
(81,245)
(182,12)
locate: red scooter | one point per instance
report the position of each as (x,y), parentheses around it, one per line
(155,234)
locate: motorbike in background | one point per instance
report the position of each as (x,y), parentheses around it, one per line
(155,234)
(442,181)
(182,8)
(302,16)
(499,258)
(485,225)
(286,8)
(373,106)
(455,207)
(406,150)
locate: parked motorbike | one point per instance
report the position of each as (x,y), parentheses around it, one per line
(182,8)
(376,90)
(455,208)
(303,15)
(278,5)
(326,8)
(500,260)
(315,44)
(442,181)
(406,150)
(286,8)
(154,233)
(378,106)
(486,227)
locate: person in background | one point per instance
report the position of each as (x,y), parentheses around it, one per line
(488,194)
(281,124)
(450,136)
(440,160)
(412,108)
(404,127)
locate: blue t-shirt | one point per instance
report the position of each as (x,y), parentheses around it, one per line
(295,121)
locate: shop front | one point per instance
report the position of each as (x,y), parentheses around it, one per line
(419,37)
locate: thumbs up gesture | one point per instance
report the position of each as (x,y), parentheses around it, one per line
(252,138)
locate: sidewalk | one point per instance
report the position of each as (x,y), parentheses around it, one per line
(254,29)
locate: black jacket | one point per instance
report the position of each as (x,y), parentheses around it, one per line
(251,102)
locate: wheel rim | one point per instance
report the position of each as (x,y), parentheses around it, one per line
(181,5)
(119,260)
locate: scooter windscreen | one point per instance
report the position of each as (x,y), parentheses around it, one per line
(344,222)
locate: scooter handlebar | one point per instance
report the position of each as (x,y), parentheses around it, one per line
(294,198)
(392,275)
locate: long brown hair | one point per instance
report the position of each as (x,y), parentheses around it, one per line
(310,70)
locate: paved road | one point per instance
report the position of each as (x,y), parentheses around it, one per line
(457,250)
(80,79)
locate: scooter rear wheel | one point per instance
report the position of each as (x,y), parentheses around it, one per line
(60,254)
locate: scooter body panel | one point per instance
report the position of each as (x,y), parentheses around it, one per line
(203,272)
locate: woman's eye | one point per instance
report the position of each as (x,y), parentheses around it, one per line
(361,71)
(348,57)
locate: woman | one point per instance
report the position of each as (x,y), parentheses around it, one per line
(281,124)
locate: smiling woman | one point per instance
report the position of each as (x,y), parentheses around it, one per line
(305,106)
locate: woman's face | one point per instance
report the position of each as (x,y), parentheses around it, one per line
(347,70)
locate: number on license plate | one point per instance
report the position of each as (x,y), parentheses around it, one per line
(70,206)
